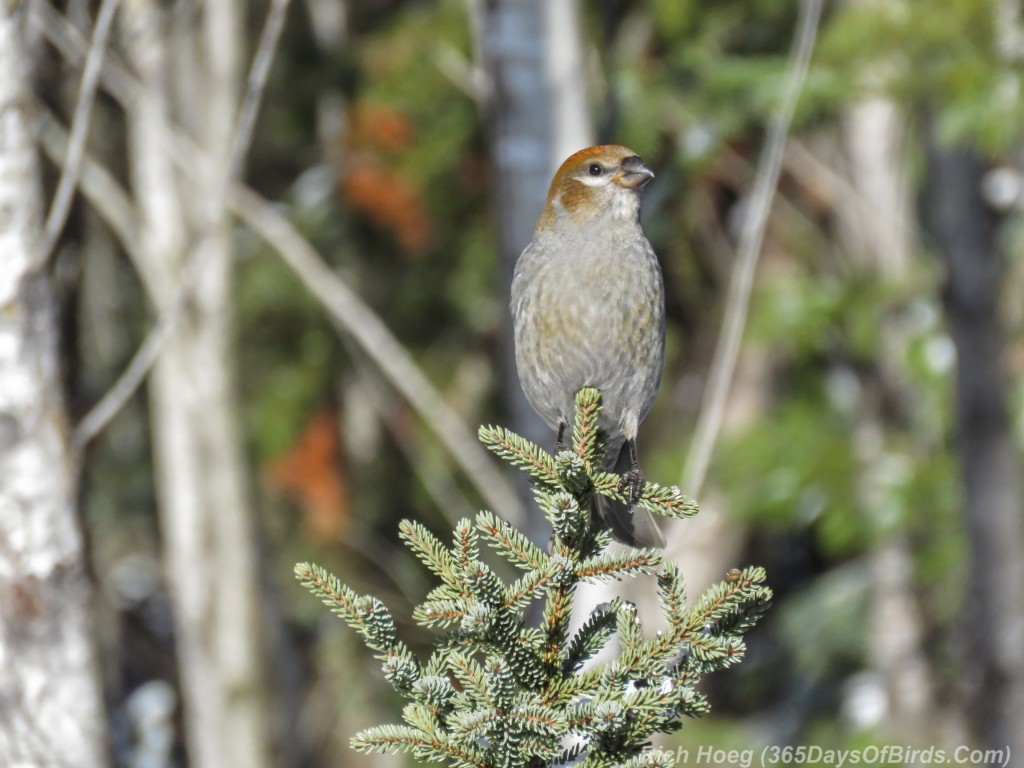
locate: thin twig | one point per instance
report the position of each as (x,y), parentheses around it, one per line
(256,85)
(68,41)
(71,167)
(439,484)
(111,201)
(99,186)
(723,366)
(131,378)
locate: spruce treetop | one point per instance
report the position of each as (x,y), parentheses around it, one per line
(499,692)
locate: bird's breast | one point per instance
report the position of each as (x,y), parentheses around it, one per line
(591,313)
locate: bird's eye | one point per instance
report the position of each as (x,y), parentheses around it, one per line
(595,169)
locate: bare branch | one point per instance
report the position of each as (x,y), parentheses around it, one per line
(111,201)
(98,184)
(256,85)
(352,314)
(71,166)
(142,362)
(802,162)
(68,41)
(379,344)
(115,77)
(148,352)
(741,282)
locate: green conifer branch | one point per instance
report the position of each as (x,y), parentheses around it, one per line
(737,602)
(667,501)
(522,453)
(397,738)
(591,637)
(586,442)
(532,584)
(466,548)
(513,545)
(432,553)
(617,565)
(470,675)
(655,758)
(497,692)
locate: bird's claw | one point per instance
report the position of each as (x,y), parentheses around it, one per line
(633,481)
(559,445)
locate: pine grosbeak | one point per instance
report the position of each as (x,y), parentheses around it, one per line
(588,307)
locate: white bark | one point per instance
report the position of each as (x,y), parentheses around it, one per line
(573,127)
(514,48)
(877,231)
(204,512)
(879,218)
(532,53)
(896,647)
(52,711)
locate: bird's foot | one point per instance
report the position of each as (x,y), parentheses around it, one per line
(632,482)
(559,445)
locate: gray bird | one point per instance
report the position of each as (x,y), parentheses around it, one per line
(588,307)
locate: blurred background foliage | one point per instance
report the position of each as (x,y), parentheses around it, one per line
(841,434)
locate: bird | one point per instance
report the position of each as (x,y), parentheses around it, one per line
(588,310)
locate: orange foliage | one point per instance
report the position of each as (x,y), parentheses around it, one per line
(311,472)
(375,189)
(388,201)
(375,126)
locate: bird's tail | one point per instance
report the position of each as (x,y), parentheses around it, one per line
(632,525)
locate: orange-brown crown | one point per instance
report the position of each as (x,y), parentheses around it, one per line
(572,194)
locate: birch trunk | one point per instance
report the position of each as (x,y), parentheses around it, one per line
(532,53)
(52,705)
(522,134)
(877,232)
(206,522)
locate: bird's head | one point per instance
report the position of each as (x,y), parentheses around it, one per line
(597,181)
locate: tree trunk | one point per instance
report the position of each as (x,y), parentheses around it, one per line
(964,229)
(532,52)
(206,522)
(877,233)
(52,706)
(522,135)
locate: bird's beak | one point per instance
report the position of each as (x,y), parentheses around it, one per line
(634,173)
